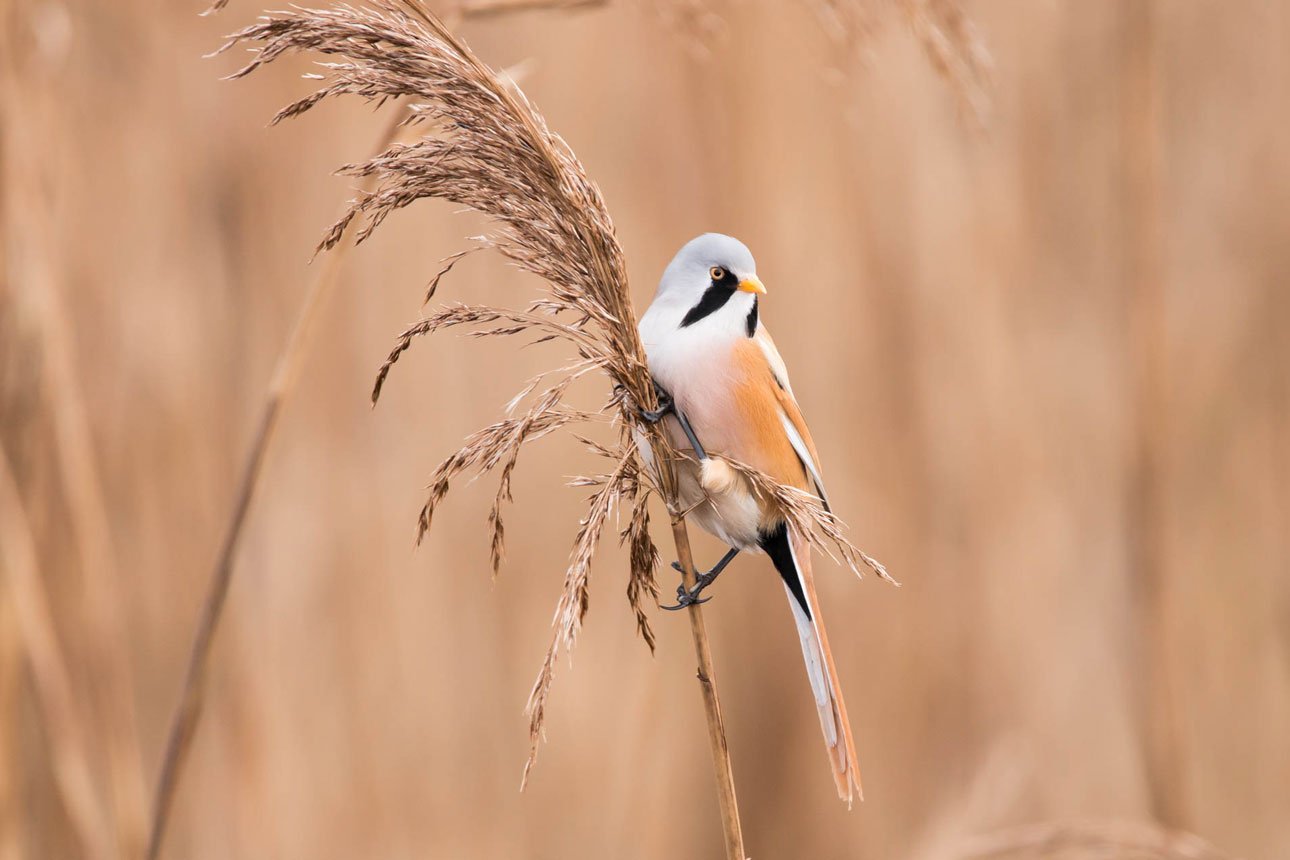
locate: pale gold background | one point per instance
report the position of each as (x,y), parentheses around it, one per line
(963,314)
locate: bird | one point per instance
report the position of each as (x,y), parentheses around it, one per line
(724,391)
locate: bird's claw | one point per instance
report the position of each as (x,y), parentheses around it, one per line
(665,406)
(687,598)
(690,597)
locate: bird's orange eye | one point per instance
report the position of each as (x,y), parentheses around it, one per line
(717,273)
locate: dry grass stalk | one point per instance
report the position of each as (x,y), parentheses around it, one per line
(1121,840)
(13,829)
(721,764)
(1151,639)
(184,719)
(97,636)
(102,617)
(62,721)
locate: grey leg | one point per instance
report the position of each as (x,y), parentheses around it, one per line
(667,405)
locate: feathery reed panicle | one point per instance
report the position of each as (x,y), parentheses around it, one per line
(488,149)
(184,718)
(491,151)
(821,527)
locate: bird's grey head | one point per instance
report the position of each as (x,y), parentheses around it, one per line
(711,278)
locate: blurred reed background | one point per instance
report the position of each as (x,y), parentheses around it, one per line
(1047,364)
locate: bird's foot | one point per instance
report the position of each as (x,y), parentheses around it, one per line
(690,596)
(665,406)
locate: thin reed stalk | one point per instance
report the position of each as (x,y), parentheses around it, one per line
(62,720)
(1160,732)
(13,824)
(102,617)
(183,721)
(722,768)
(97,635)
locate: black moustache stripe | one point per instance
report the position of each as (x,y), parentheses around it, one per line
(714,299)
(752,318)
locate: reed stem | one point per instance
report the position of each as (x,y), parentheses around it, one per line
(706,675)
(183,722)
(24,588)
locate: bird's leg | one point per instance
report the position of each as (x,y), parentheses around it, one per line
(689,434)
(688,597)
(666,406)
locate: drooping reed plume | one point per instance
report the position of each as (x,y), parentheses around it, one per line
(949,39)
(295,350)
(487,148)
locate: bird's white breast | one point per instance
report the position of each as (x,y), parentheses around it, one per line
(695,364)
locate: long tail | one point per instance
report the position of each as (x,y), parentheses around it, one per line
(792,558)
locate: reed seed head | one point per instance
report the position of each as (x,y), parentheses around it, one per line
(487,148)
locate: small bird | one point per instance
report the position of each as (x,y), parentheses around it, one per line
(724,390)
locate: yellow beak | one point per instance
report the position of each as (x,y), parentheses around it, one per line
(752,284)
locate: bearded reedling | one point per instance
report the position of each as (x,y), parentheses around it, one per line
(721,380)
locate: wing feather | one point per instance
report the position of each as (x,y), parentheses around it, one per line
(791,415)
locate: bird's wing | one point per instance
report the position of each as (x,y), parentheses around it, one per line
(790,414)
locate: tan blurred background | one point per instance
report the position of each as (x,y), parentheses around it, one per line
(1047,365)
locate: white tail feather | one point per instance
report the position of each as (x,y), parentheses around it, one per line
(816,671)
(824,684)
